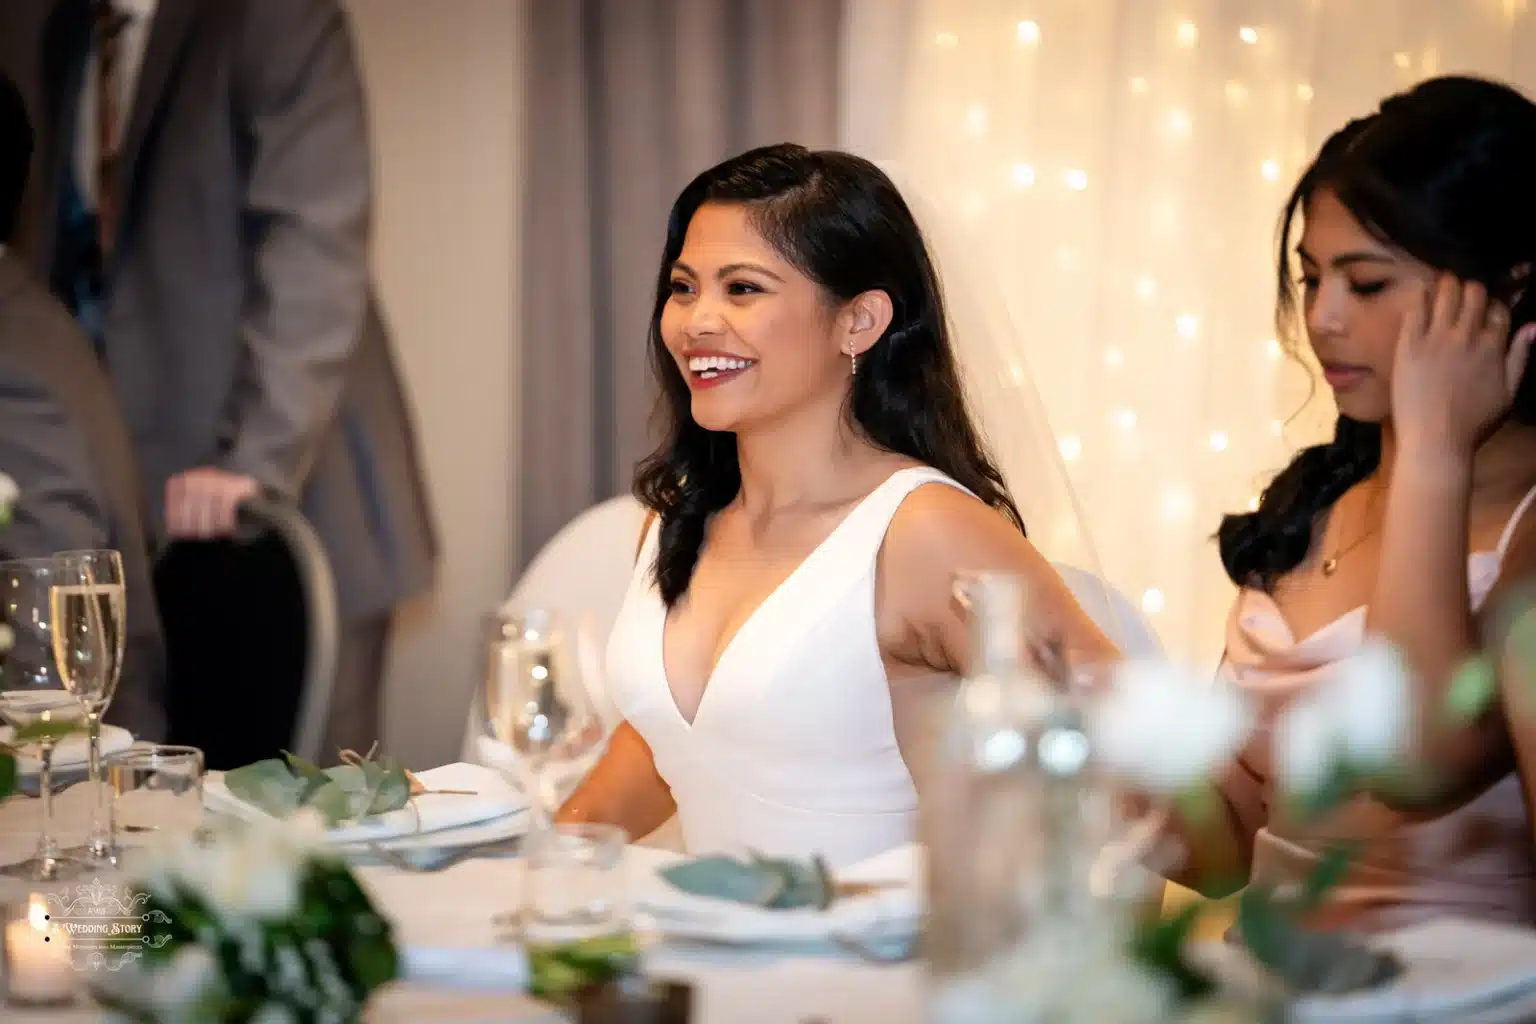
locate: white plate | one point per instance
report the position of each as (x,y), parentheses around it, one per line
(72,751)
(496,830)
(891,913)
(1453,969)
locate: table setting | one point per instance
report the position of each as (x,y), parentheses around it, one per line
(151,889)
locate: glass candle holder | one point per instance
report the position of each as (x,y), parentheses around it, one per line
(39,967)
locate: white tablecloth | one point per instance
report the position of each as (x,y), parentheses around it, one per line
(452,910)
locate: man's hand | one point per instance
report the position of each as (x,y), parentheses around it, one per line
(200,504)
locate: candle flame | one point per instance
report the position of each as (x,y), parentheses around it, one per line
(37,913)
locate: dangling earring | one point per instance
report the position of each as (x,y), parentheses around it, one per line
(853,363)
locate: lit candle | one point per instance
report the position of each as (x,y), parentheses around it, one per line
(38,966)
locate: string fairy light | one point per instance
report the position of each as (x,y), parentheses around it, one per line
(1022,175)
(1071,447)
(1248,34)
(1028,33)
(1076,179)
(1188,34)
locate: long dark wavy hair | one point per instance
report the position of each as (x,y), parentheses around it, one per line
(840,221)
(1441,172)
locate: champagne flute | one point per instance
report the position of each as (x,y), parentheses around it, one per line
(90,619)
(535,708)
(32,693)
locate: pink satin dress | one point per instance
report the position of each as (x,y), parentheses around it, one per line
(1476,861)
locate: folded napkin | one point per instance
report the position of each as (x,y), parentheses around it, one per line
(891,910)
(455,966)
(493,797)
(72,751)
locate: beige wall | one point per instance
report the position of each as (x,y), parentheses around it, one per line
(445,83)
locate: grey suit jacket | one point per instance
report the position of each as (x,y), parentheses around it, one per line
(63,441)
(241,328)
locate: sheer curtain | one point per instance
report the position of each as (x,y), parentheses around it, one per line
(1124,163)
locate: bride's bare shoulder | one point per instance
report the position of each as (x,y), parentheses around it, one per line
(940,529)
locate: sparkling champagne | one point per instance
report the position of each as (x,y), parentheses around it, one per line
(88,639)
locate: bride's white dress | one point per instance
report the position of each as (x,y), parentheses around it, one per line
(793,749)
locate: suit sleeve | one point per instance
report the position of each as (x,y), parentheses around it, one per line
(307,208)
(58,507)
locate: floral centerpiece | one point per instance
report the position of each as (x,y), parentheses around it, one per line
(1168,732)
(263,925)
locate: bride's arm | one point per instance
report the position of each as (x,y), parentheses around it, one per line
(940,531)
(624,787)
(937,532)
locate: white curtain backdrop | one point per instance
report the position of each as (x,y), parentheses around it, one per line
(1121,165)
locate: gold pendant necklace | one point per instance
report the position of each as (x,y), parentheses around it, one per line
(1330,564)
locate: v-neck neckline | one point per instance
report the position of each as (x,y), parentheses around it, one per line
(757,614)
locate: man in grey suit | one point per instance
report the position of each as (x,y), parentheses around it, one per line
(62,440)
(204,210)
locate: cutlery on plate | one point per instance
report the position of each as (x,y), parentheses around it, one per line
(439,860)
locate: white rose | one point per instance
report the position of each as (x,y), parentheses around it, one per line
(1164,727)
(241,878)
(9,492)
(1305,744)
(1360,713)
(1374,695)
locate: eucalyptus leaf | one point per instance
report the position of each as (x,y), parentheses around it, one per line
(308,771)
(1329,872)
(723,878)
(343,793)
(1330,963)
(1472,690)
(393,790)
(1341,785)
(1265,931)
(335,804)
(267,785)
(1160,946)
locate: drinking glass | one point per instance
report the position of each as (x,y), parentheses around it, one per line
(32,690)
(156,787)
(535,708)
(90,613)
(574,884)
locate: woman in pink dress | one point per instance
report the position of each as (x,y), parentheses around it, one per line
(1410,281)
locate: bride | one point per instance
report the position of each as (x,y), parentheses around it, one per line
(820,484)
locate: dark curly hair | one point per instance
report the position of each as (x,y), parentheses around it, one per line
(839,220)
(1440,172)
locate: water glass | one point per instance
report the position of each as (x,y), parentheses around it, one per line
(574,885)
(156,788)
